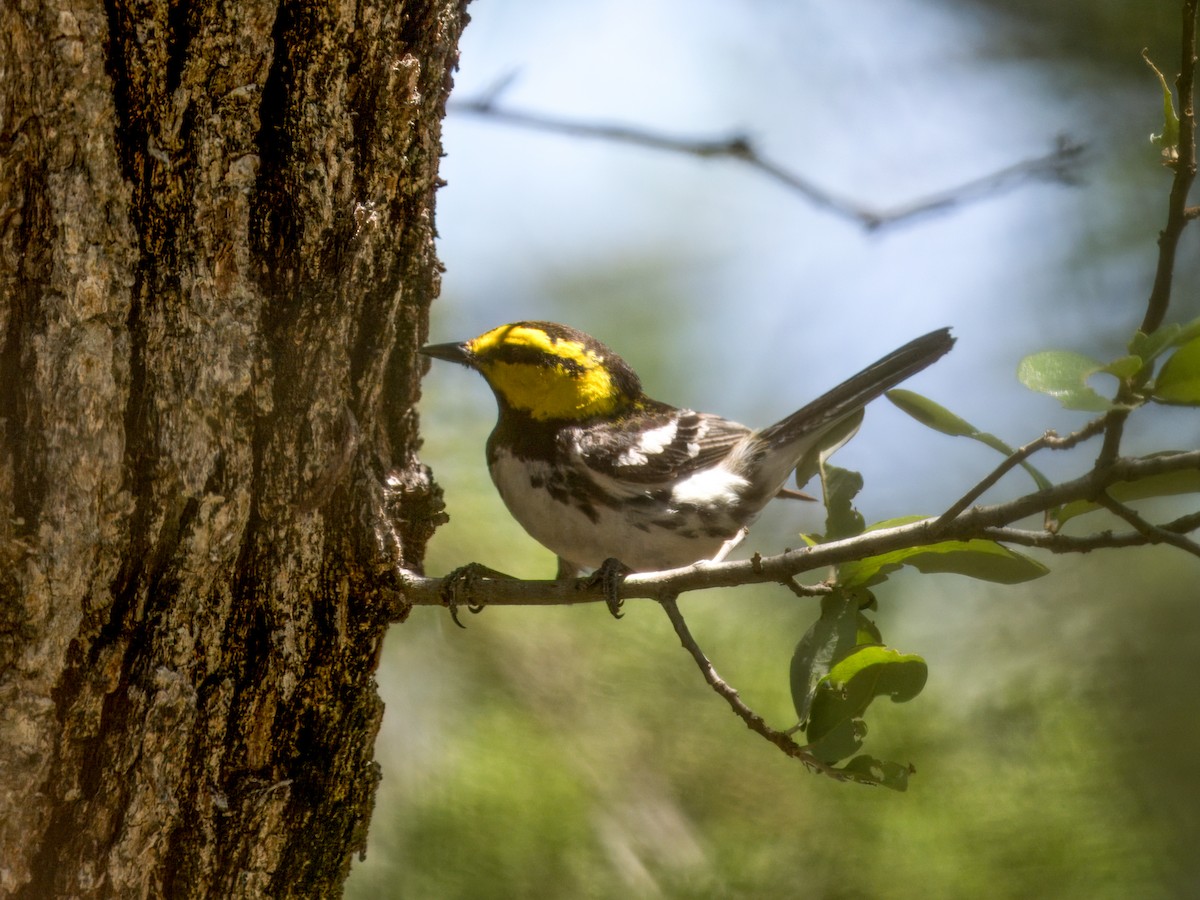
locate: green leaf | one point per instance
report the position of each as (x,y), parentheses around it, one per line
(1165,484)
(1150,346)
(842,740)
(839,488)
(985,560)
(1179,380)
(1169,139)
(932,415)
(830,638)
(1124,366)
(937,417)
(867,672)
(869,770)
(868,631)
(1063,374)
(977,558)
(875,670)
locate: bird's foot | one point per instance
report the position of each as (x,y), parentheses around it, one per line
(609,577)
(458,588)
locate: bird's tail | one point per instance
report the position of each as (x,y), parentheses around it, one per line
(803,429)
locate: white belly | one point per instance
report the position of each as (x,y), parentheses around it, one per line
(644,534)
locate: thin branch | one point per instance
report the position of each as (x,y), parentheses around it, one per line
(1063,543)
(1058,165)
(806,590)
(1184,524)
(980,521)
(1049,439)
(1150,530)
(753,720)
(1105,540)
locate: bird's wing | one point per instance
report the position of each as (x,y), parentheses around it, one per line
(672,444)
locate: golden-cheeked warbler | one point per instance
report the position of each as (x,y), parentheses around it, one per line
(598,472)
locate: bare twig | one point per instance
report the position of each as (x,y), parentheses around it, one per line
(1184,524)
(1057,165)
(805,590)
(753,720)
(1063,543)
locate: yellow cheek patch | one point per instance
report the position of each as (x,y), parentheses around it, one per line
(557,393)
(579,388)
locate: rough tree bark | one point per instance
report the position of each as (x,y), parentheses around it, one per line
(216,260)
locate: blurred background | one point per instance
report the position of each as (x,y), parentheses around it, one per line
(560,753)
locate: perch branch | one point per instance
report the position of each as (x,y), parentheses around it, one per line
(980,521)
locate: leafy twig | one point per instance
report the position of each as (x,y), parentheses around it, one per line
(1184,164)
(1185,173)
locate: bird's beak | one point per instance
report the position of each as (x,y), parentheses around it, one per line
(455,353)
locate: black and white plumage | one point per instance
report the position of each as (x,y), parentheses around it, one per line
(595,470)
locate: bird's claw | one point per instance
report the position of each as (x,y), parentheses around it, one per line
(609,577)
(458,588)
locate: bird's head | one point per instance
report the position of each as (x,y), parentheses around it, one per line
(547,371)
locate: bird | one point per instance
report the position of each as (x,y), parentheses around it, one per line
(607,478)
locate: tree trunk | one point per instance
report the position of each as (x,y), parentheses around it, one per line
(216,261)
